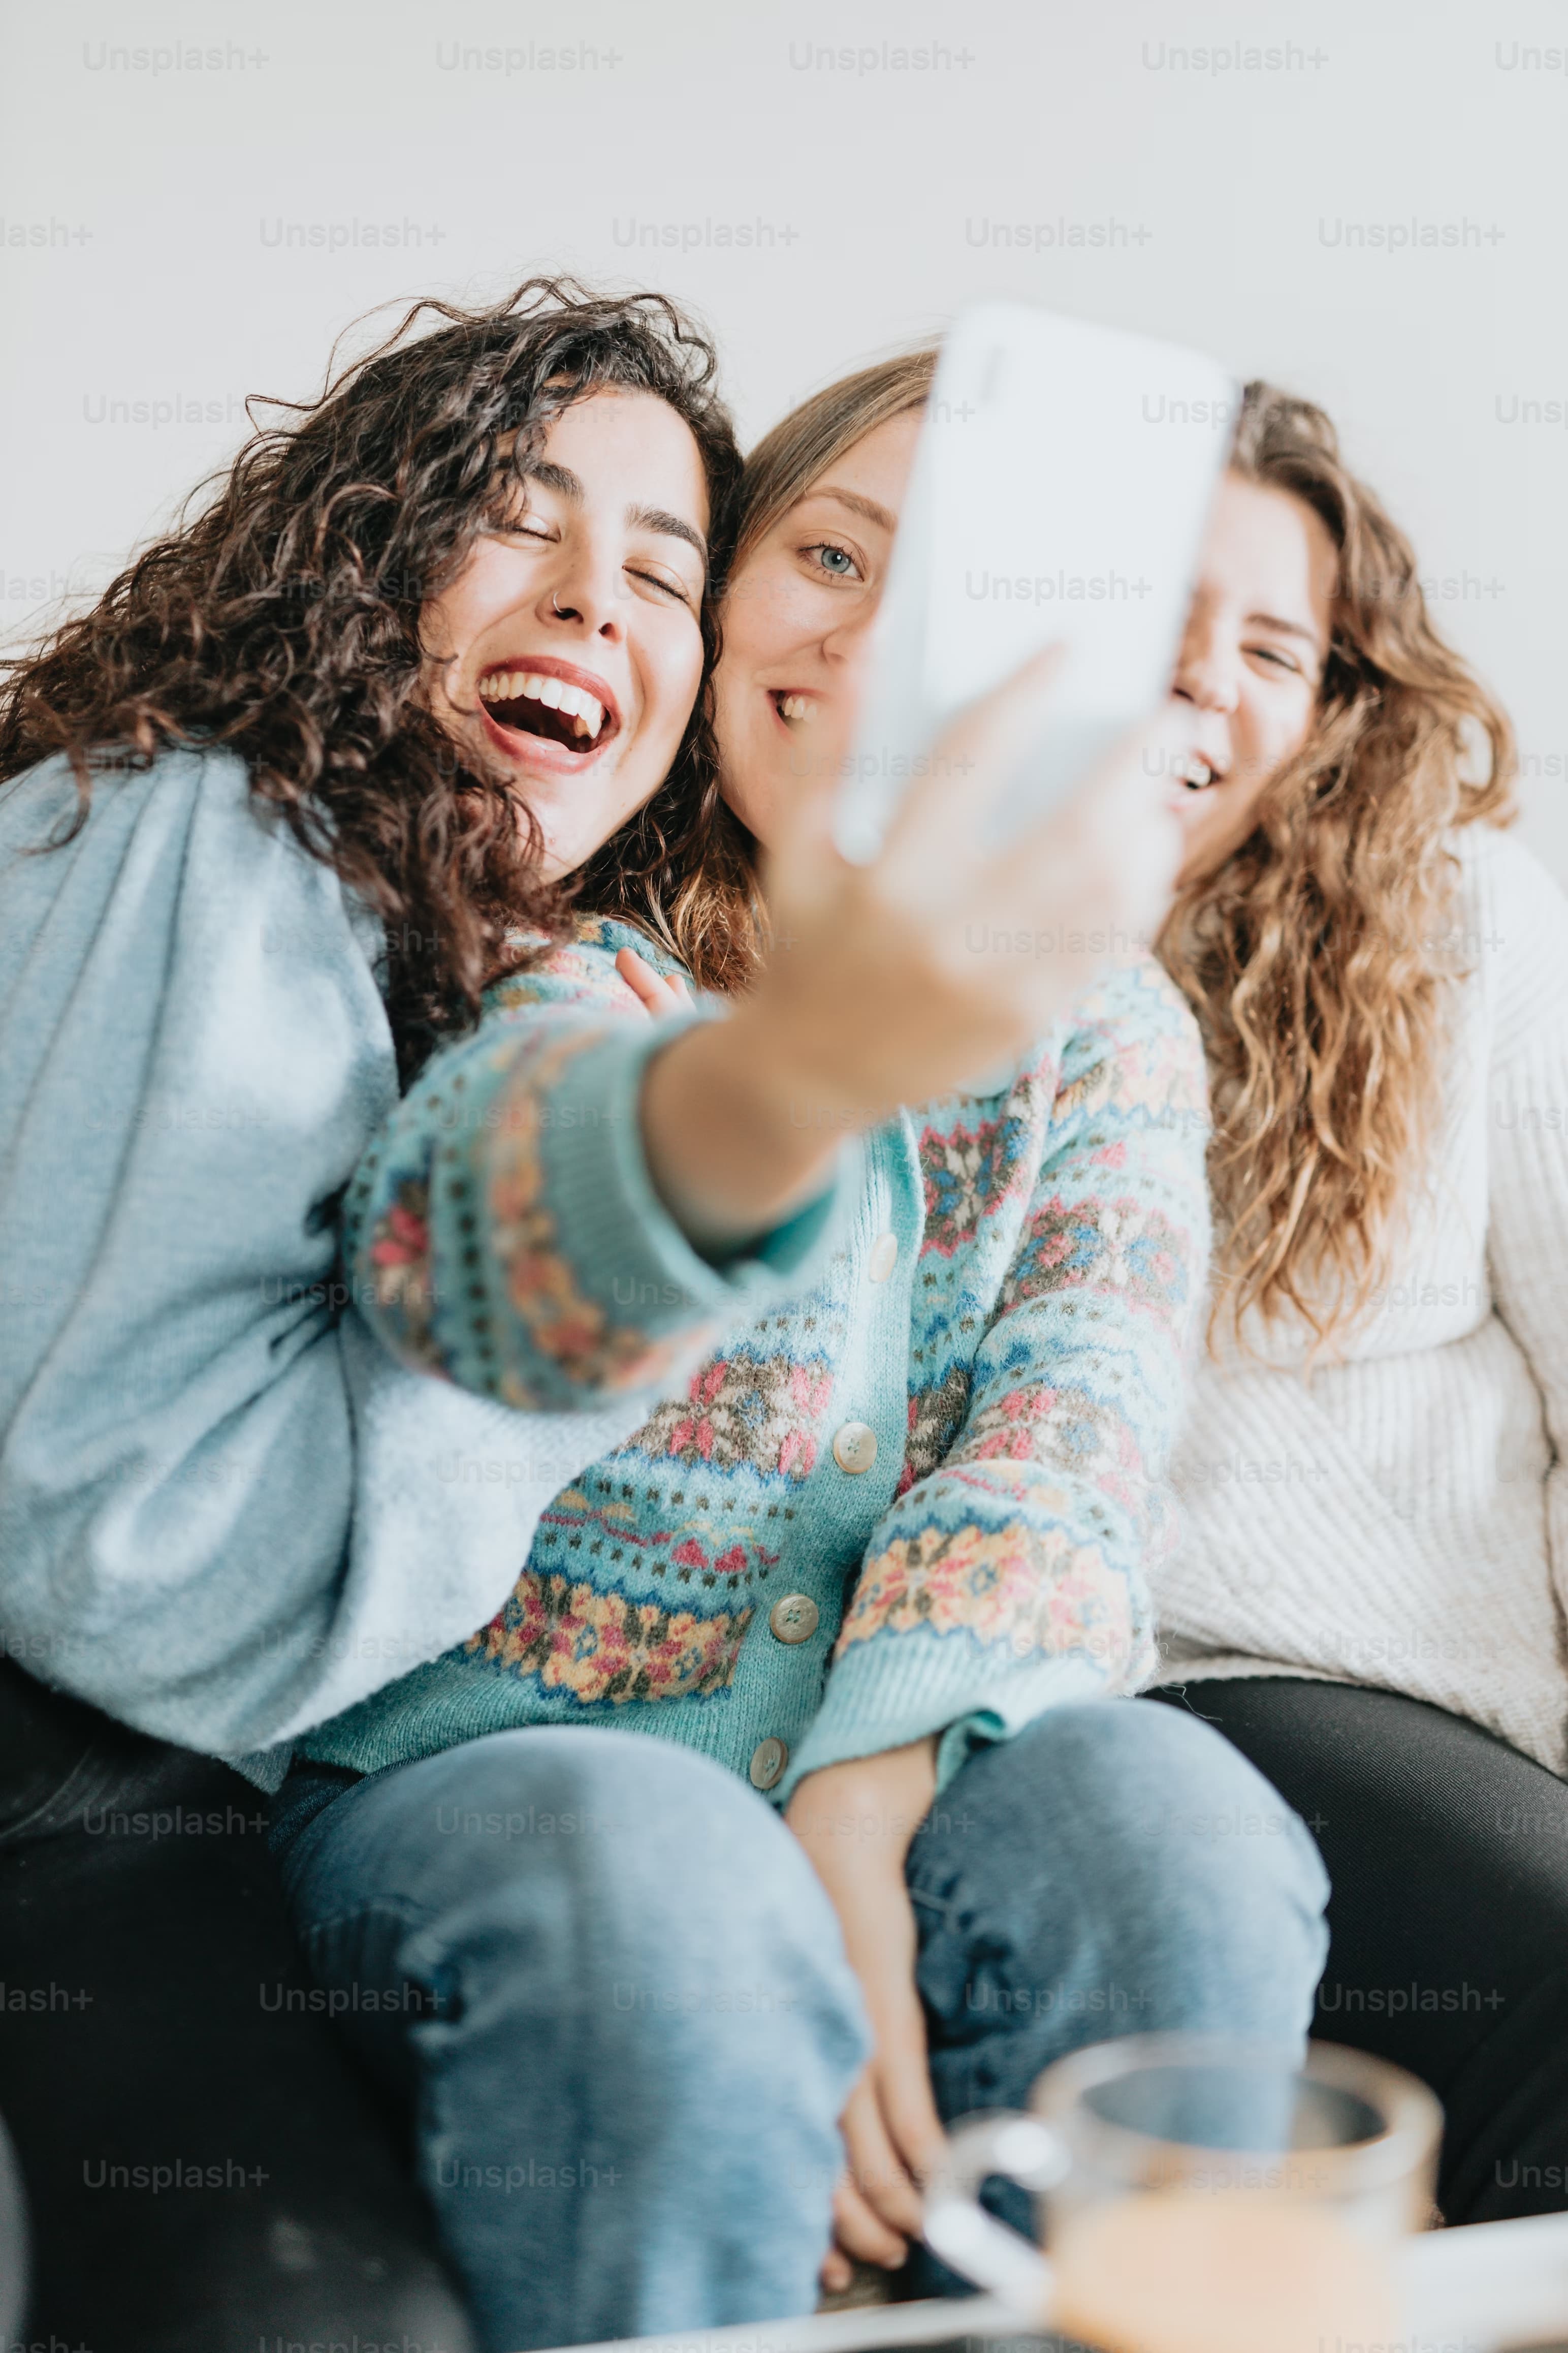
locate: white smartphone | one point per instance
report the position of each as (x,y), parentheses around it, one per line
(1061,486)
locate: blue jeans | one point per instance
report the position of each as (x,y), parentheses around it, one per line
(610,1990)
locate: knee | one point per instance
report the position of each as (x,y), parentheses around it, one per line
(1168,1838)
(1213,1825)
(644,1884)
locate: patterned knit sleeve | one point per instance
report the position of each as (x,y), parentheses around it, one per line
(1012,1575)
(503,1232)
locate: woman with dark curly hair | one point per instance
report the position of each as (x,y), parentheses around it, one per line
(1368,1597)
(272,868)
(252,865)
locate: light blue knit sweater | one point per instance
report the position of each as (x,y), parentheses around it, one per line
(224,1511)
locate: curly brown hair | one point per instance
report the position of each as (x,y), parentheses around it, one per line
(280,618)
(1317,956)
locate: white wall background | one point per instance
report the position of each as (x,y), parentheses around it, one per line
(143,202)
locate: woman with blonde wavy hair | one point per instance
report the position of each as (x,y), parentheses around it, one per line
(1367,1596)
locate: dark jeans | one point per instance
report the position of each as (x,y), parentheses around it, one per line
(1448,1853)
(204,2170)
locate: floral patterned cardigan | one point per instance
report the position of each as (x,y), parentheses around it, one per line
(902,1469)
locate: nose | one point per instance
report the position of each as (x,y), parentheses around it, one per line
(585,596)
(1208,673)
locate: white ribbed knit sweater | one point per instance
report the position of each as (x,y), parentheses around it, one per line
(1402,1518)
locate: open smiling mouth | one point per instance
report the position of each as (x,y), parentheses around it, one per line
(548,709)
(794,710)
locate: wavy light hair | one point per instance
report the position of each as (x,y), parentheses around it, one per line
(282,619)
(801,447)
(795,453)
(1318,959)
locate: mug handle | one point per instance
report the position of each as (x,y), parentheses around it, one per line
(973,2242)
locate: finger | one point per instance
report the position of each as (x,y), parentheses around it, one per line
(862,2233)
(975,758)
(878,2171)
(640,978)
(900,2079)
(909,2115)
(837,2271)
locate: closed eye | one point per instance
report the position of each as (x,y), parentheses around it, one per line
(674,589)
(1277,655)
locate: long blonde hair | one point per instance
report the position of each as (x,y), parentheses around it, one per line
(1314,958)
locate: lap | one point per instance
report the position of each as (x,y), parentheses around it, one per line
(1448,1853)
(568,1870)
(1112,1869)
(649,1824)
(1447,1857)
(1112,1793)
(611,1991)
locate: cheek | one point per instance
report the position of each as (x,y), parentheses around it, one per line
(771,614)
(1278,725)
(672,673)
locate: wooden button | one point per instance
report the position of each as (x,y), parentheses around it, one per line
(855,1448)
(884,1258)
(793,1617)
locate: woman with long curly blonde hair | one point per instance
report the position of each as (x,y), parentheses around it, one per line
(1368,1593)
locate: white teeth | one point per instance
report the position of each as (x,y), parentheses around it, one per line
(796,706)
(1194,770)
(581,705)
(584,709)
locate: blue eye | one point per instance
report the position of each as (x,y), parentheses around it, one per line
(835,561)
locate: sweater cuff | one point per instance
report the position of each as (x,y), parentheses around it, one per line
(629,1253)
(949,1684)
(548,1271)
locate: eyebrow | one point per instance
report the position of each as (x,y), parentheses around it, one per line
(668,525)
(569,485)
(855,505)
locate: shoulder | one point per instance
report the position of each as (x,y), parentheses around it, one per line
(172,859)
(36,805)
(1508,931)
(1500,871)
(180,794)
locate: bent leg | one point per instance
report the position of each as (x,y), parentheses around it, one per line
(612,1989)
(1448,1853)
(1115,1869)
